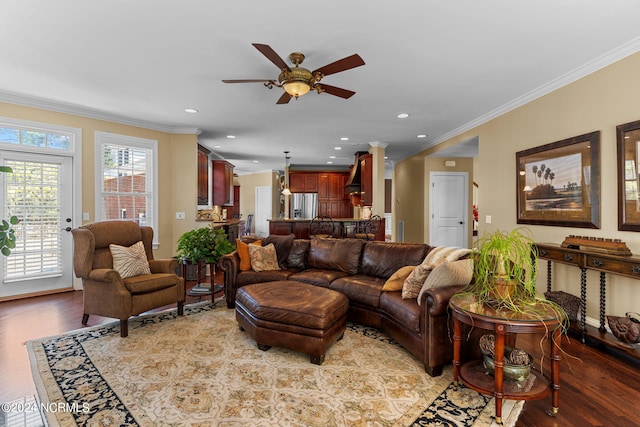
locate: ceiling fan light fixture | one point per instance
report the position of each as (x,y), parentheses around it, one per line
(297,81)
(296,88)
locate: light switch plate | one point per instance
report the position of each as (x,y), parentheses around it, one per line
(487,219)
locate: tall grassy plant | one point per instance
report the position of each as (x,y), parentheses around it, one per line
(506,257)
(7,233)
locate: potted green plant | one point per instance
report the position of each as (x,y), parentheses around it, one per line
(7,233)
(504,267)
(204,244)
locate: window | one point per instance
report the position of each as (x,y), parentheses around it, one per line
(35,138)
(126,181)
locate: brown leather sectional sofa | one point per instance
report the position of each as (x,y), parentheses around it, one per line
(359,269)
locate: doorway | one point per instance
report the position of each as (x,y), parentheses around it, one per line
(263,210)
(448,209)
(40,193)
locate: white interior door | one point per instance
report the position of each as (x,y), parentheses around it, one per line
(263,210)
(40,193)
(449,208)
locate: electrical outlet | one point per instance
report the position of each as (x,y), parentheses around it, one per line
(85,216)
(487,219)
(179,215)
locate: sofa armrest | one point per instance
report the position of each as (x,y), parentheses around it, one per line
(163,265)
(436,300)
(230,265)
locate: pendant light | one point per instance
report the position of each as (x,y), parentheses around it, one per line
(286,191)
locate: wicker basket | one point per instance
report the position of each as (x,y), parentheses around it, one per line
(570,303)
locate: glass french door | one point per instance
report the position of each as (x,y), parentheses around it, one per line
(39,193)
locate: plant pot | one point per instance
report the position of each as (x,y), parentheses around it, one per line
(510,372)
(502,289)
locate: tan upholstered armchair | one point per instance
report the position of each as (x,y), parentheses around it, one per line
(106,293)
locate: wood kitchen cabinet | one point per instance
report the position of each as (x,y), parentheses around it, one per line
(303,182)
(203,175)
(366,179)
(222,183)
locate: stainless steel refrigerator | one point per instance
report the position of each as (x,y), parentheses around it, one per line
(304,205)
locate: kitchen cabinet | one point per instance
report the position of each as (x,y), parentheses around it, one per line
(366,179)
(234,211)
(203,175)
(303,182)
(222,183)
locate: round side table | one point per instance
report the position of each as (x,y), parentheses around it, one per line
(466,310)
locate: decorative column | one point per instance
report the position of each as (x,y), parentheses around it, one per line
(377,150)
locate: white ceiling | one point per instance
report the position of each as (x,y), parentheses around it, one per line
(450,64)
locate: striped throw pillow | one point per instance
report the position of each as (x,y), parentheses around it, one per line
(131,261)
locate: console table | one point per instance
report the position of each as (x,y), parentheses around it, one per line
(544,319)
(627,266)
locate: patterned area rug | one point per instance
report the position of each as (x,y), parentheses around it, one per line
(201,370)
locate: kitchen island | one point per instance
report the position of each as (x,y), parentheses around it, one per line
(344,227)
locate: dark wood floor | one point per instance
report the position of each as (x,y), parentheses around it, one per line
(596,390)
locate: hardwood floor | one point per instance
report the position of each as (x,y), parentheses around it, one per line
(596,390)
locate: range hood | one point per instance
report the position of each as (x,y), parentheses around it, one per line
(353,184)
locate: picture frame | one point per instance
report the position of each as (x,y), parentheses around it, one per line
(628,148)
(558,183)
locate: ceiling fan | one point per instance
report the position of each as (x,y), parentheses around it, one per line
(298,81)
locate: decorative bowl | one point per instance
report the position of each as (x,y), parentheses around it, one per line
(510,372)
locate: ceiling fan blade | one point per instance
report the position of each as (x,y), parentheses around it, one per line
(271,55)
(284,99)
(343,64)
(247,81)
(337,91)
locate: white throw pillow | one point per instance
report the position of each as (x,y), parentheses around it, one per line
(448,273)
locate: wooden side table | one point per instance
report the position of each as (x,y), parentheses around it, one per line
(199,264)
(467,311)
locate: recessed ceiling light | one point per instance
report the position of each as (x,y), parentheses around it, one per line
(332,157)
(190,110)
(256,161)
(217,146)
(344,138)
(337,148)
(403,115)
(422,135)
(329,162)
(386,157)
(231,136)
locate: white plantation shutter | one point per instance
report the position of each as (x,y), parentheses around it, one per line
(33,194)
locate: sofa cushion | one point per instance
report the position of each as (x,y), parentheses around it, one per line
(243,253)
(150,282)
(317,277)
(130,261)
(382,259)
(395,282)
(282,244)
(436,256)
(263,258)
(404,311)
(448,273)
(335,254)
(360,288)
(249,277)
(298,254)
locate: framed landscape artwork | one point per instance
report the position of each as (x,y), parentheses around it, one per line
(628,136)
(559,183)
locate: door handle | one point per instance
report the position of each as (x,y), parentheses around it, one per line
(66,229)
(461,222)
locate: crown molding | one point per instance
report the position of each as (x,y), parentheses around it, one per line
(62,107)
(584,70)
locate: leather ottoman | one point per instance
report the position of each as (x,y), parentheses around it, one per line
(292,315)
